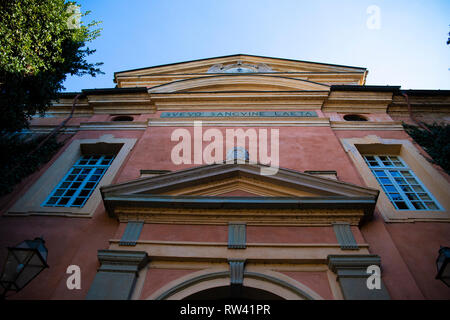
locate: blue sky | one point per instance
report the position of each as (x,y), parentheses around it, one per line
(408,49)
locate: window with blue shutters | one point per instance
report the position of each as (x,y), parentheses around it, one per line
(403,188)
(78,184)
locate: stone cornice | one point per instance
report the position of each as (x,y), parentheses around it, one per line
(138,100)
(227,82)
(421,101)
(355,216)
(93,126)
(113,125)
(240,100)
(352,262)
(254,253)
(366,125)
(122,260)
(357,101)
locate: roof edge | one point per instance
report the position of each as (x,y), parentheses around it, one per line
(431,92)
(237,55)
(114,90)
(344,87)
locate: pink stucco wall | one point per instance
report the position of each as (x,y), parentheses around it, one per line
(300,148)
(408,251)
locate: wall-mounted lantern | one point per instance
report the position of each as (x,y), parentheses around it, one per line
(24,262)
(443,266)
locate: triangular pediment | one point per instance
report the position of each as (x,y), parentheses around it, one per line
(221,63)
(235,186)
(238,65)
(210,180)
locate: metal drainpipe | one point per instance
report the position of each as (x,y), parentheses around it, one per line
(411,115)
(425,155)
(62,124)
(54,131)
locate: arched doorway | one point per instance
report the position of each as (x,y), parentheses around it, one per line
(214,286)
(227,292)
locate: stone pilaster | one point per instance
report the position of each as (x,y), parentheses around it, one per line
(116,277)
(352,275)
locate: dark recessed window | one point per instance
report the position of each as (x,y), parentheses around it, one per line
(122,118)
(354,117)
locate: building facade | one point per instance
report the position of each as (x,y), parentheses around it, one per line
(237,176)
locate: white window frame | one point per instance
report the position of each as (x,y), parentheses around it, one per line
(388,174)
(30,202)
(429,174)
